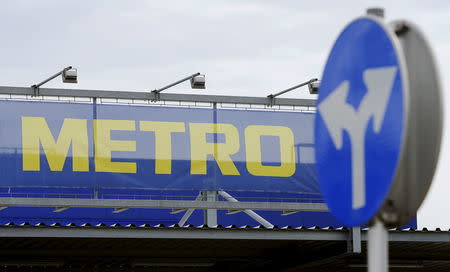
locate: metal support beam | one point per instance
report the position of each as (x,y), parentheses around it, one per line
(60,209)
(249,212)
(185,217)
(175,211)
(119,210)
(171,233)
(438,237)
(189,212)
(284,213)
(159,204)
(162,96)
(230,212)
(354,240)
(210,215)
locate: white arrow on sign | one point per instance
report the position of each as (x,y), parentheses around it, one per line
(338,116)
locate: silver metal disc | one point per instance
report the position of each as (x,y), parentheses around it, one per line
(423,131)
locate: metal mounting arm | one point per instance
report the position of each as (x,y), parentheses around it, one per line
(35,87)
(156,92)
(272,96)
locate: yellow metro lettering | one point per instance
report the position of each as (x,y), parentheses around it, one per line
(163,142)
(35,132)
(104,145)
(74,135)
(253,151)
(200,148)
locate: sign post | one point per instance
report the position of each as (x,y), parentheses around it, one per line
(377,247)
(378,127)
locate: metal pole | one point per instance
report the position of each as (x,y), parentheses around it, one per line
(378,248)
(50,78)
(210,215)
(94,113)
(35,87)
(175,83)
(354,242)
(292,88)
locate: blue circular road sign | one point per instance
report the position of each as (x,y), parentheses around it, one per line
(361,120)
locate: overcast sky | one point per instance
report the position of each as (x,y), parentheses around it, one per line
(249,48)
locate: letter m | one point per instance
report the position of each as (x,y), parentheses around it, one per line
(36,133)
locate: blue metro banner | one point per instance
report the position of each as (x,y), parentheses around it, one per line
(54,144)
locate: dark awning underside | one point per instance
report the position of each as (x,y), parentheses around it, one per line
(161,248)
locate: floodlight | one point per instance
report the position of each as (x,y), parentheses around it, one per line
(69,75)
(314,87)
(198,82)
